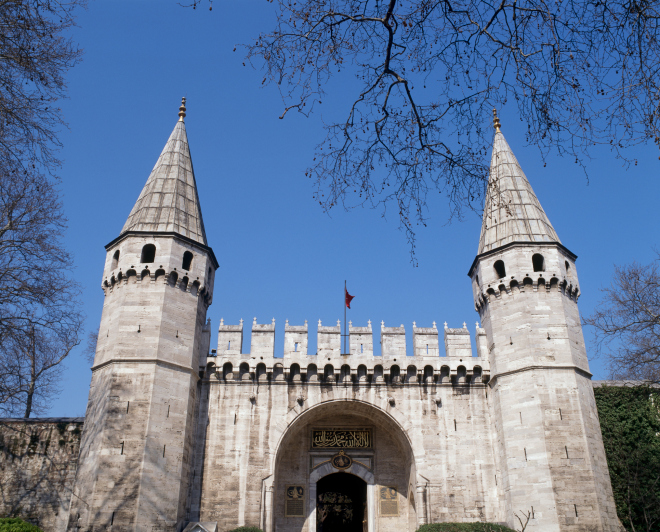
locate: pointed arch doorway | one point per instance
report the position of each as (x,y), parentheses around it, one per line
(341,503)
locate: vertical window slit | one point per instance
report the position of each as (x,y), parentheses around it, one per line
(496,480)
(229,345)
(128,404)
(560,416)
(168,410)
(427,349)
(521,418)
(524,449)
(566,448)
(163,451)
(122,448)
(575,506)
(454,424)
(532,512)
(361,348)
(112,518)
(295,347)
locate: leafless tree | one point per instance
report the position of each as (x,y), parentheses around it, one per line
(40,317)
(31,369)
(427,74)
(35,55)
(627,323)
(90,347)
(527,515)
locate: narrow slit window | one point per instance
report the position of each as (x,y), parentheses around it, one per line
(295,347)
(500,270)
(128,405)
(168,410)
(560,416)
(148,253)
(361,348)
(575,506)
(524,449)
(228,345)
(112,518)
(163,451)
(187,260)
(566,449)
(538,262)
(454,424)
(122,448)
(115,260)
(427,349)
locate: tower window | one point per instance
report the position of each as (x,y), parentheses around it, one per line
(187,260)
(115,260)
(148,253)
(568,266)
(538,262)
(500,270)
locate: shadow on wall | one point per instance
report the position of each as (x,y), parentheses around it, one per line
(38,461)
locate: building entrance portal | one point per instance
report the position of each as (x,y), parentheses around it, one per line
(341,503)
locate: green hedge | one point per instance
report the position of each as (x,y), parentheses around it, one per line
(463,527)
(245,529)
(630,422)
(13,524)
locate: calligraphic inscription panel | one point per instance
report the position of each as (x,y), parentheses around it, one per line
(341,439)
(389,501)
(294,503)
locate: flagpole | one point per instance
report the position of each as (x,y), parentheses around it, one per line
(345,317)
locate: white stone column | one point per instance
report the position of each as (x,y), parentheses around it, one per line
(268,509)
(421,505)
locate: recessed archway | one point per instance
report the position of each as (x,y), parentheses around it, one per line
(384,463)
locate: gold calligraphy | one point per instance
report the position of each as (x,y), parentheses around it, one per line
(341,439)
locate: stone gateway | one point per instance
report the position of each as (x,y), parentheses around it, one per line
(176,437)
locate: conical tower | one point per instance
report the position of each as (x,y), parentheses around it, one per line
(552,463)
(135,455)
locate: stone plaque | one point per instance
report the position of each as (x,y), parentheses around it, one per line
(389,502)
(294,503)
(341,439)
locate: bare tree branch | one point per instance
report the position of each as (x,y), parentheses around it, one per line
(429,72)
(627,323)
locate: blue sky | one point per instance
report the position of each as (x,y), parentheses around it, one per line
(280,256)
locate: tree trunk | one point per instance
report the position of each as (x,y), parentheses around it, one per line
(33,375)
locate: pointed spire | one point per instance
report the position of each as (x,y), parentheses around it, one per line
(512,212)
(169,201)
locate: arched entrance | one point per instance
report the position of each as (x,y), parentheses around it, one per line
(341,504)
(344,441)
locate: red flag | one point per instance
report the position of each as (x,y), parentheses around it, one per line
(349,298)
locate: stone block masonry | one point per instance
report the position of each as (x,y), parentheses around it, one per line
(39,460)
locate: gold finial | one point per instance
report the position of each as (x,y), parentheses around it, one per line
(496,120)
(182,109)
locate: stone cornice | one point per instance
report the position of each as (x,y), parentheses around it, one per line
(577,369)
(146,361)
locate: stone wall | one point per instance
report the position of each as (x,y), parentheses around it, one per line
(39,461)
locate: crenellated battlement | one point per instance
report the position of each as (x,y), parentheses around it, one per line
(119,279)
(329,365)
(508,287)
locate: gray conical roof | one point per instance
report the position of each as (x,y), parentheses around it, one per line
(512,212)
(169,200)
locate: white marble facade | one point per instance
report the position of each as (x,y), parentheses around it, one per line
(178,437)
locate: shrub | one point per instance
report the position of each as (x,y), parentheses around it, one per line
(463,527)
(242,529)
(13,524)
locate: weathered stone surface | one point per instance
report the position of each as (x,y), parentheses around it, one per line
(174,438)
(39,460)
